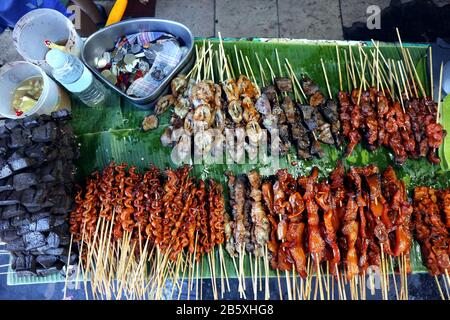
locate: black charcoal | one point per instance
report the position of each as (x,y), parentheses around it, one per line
(4,225)
(5,171)
(6,184)
(34,240)
(36,186)
(62,114)
(15,245)
(24,180)
(47,261)
(39,215)
(53,240)
(18,162)
(12,211)
(40,225)
(10,235)
(44,133)
(18,139)
(55,251)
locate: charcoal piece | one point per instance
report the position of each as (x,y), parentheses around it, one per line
(41,250)
(67,153)
(43,272)
(30,122)
(10,235)
(40,225)
(38,152)
(15,245)
(34,199)
(44,133)
(73,258)
(11,124)
(59,265)
(47,261)
(44,118)
(18,261)
(27,198)
(20,220)
(4,148)
(18,139)
(62,230)
(34,209)
(52,155)
(62,204)
(23,230)
(29,267)
(48,173)
(12,211)
(9,198)
(3,129)
(53,240)
(56,251)
(59,221)
(6,184)
(39,215)
(24,180)
(61,115)
(4,225)
(5,171)
(59,190)
(18,162)
(34,240)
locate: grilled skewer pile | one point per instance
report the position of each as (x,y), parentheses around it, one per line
(377,120)
(345,224)
(172,213)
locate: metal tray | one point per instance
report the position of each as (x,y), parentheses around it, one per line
(105,39)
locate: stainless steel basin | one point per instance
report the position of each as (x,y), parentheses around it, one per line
(105,39)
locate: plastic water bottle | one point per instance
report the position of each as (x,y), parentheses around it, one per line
(75,77)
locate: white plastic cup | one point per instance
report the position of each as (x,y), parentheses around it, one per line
(13,74)
(35,27)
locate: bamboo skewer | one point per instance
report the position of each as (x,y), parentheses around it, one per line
(431,73)
(326,79)
(439,93)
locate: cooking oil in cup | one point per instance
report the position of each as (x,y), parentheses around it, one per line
(27,94)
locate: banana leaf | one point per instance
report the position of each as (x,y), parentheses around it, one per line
(112,133)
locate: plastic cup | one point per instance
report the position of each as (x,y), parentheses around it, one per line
(13,74)
(35,27)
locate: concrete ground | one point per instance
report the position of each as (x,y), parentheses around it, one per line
(311,19)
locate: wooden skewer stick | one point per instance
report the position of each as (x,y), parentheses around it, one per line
(272,74)
(261,70)
(439,288)
(422,90)
(347,69)
(405,58)
(398,86)
(296,79)
(339,68)
(326,79)
(431,73)
(247,74)
(237,60)
(404,81)
(297,96)
(278,62)
(439,94)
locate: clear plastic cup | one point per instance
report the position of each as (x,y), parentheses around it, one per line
(35,27)
(13,74)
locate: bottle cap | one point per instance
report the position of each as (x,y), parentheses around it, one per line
(56,58)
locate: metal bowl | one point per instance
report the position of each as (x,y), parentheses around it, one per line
(105,39)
